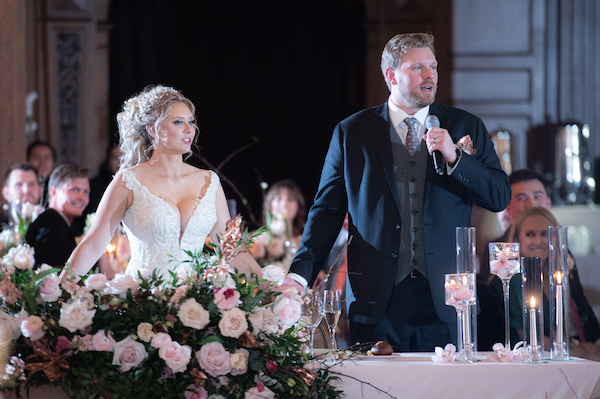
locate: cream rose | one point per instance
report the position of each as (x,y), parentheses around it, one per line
(129,354)
(145,332)
(214,359)
(239,361)
(10,323)
(233,323)
(20,257)
(76,315)
(193,315)
(176,356)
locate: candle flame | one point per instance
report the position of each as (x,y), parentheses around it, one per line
(558,277)
(465,280)
(110,248)
(532,302)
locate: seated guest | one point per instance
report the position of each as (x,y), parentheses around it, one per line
(284,215)
(42,156)
(20,183)
(528,189)
(51,234)
(530,229)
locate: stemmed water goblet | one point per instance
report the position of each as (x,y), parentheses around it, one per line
(312,313)
(504,263)
(460,293)
(333,310)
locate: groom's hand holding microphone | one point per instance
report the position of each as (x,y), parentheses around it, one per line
(439,144)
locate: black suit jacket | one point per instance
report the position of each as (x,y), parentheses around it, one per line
(52,238)
(358,177)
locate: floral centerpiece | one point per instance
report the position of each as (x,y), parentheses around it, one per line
(21,215)
(204,332)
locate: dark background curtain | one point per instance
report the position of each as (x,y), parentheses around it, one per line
(278,73)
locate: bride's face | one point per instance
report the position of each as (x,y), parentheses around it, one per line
(177,130)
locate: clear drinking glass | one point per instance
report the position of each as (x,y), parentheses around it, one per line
(504,263)
(460,293)
(312,313)
(333,310)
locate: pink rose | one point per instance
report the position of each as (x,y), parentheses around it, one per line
(103,342)
(199,392)
(233,323)
(32,328)
(288,311)
(96,282)
(129,354)
(175,356)
(259,393)
(193,315)
(63,346)
(160,339)
(271,366)
(214,359)
(239,361)
(50,289)
(20,257)
(76,315)
(226,298)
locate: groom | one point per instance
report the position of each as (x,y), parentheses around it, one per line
(402,214)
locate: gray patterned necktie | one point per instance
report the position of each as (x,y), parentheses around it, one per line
(412,135)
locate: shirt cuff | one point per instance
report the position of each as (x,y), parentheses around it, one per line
(298,278)
(451,166)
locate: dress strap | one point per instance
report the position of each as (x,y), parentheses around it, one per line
(130,181)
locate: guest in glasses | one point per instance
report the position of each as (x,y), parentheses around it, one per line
(402,213)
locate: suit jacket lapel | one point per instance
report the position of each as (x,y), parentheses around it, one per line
(380,130)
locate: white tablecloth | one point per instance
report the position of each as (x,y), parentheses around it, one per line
(414,375)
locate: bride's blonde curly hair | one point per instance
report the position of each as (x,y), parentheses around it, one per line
(148,108)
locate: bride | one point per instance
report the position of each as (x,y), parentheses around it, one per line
(166,205)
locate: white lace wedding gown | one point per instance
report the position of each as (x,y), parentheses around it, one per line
(154,228)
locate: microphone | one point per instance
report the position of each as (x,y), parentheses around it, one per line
(438,158)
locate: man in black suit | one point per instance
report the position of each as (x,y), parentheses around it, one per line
(402,214)
(51,234)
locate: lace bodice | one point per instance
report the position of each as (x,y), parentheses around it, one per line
(154,228)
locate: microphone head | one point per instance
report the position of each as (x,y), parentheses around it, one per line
(432,121)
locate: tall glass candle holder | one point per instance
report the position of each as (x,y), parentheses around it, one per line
(533,315)
(466,263)
(460,293)
(504,263)
(559,292)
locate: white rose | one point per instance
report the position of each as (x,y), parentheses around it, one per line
(192,314)
(129,354)
(264,320)
(76,316)
(20,257)
(120,284)
(233,323)
(274,273)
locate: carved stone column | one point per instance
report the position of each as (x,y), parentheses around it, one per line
(12,84)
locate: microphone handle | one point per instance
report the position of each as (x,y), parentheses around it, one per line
(438,163)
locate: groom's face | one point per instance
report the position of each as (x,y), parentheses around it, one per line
(415,81)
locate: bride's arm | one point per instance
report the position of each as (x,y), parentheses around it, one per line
(114,203)
(244,262)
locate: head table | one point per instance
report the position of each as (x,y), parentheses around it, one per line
(415,375)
